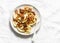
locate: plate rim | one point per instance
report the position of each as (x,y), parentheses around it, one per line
(15,28)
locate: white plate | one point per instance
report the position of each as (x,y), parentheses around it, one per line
(36,27)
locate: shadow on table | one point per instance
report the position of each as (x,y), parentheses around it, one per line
(19,35)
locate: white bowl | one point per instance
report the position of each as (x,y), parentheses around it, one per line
(34,28)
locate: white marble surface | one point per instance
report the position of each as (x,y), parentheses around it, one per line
(50,25)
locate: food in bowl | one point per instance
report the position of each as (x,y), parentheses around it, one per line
(24,19)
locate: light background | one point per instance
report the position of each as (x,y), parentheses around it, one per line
(50,25)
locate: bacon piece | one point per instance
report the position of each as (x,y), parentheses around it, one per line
(21,11)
